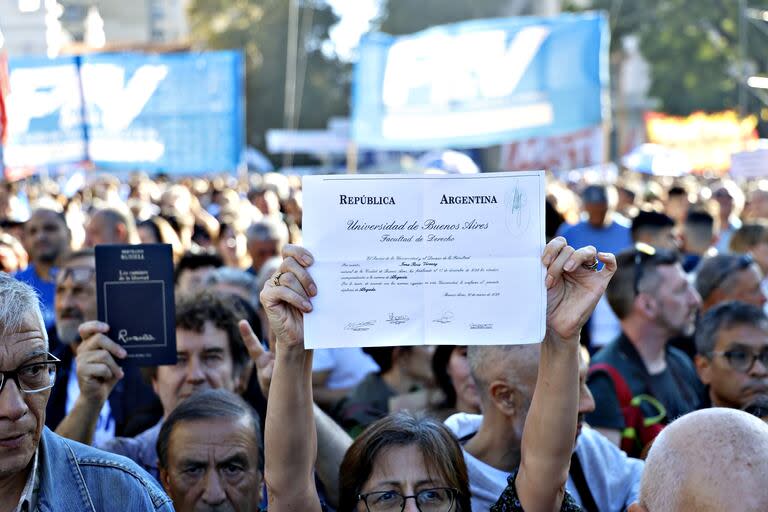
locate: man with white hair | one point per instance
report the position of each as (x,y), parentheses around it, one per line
(708,461)
(40,470)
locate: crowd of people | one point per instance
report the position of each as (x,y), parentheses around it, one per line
(649,392)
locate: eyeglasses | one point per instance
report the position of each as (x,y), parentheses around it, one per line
(642,251)
(80,275)
(742,262)
(742,360)
(32,377)
(428,500)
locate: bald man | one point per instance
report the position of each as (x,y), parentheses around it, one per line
(47,239)
(110,226)
(708,461)
(602,477)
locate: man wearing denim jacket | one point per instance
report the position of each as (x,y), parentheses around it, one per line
(39,470)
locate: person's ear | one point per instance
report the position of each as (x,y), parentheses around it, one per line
(503,397)
(165,480)
(647,305)
(703,368)
(637,507)
(122,232)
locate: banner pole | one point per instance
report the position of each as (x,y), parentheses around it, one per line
(351,158)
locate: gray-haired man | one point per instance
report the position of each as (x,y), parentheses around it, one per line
(39,469)
(732,358)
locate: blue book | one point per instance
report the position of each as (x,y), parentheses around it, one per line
(135,297)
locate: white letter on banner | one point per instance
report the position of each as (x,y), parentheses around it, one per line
(120,103)
(411,65)
(442,69)
(40,92)
(501,77)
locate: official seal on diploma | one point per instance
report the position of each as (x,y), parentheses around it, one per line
(425,259)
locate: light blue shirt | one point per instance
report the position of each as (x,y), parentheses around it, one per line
(46,289)
(615,237)
(612,477)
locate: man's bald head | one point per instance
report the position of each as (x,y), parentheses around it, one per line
(710,460)
(517,365)
(110,226)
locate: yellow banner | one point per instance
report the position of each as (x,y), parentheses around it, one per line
(708,140)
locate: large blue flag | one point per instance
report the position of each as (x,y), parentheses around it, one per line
(177,113)
(481,83)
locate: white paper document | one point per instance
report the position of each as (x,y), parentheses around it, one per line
(425,259)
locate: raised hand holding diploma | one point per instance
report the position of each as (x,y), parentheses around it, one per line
(574,285)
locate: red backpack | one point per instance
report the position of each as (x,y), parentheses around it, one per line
(639,431)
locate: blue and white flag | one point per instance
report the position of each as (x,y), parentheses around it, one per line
(177,113)
(482,82)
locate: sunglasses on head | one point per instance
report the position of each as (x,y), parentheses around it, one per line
(645,255)
(643,252)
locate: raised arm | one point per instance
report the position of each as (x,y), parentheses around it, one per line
(573,291)
(332,441)
(290,438)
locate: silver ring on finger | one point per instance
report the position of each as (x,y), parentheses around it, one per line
(592,266)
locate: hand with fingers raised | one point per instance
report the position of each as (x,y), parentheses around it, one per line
(265,360)
(574,285)
(286,297)
(97,368)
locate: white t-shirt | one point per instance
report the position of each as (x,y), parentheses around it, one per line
(348,366)
(486,483)
(605,326)
(105,426)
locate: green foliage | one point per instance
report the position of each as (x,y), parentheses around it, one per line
(260,29)
(692,48)
(407,16)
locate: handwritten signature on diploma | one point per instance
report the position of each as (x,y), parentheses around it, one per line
(360,326)
(445,318)
(397,319)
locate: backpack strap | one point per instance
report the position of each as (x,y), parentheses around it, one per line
(580,482)
(632,433)
(623,393)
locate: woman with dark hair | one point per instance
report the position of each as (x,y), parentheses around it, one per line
(404,443)
(405,462)
(451,370)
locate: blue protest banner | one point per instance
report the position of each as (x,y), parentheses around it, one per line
(481,83)
(176,113)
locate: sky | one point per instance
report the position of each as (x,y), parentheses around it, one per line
(356,16)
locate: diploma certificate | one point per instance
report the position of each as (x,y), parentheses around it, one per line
(425,259)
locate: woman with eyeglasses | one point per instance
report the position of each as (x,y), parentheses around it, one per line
(402,463)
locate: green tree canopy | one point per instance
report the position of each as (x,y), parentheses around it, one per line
(692,48)
(260,29)
(408,16)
